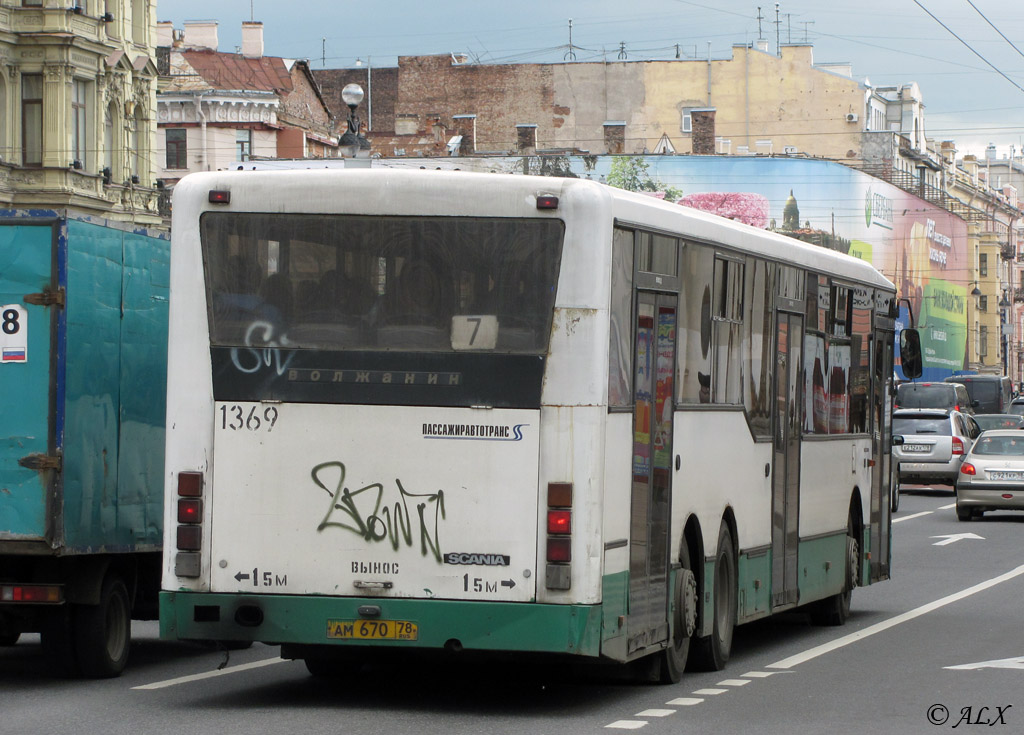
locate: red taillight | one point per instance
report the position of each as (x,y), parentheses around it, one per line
(220,196)
(560,549)
(560,521)
(559,494)
(190,538)
(967,469)
(31,593)
(190,510)
(190,484)
(958,445)
(547,201)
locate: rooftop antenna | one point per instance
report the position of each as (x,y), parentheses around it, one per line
(778,24)
(252,14)
(323,52)
(760,34)
(622,50)
(570,55)
(807,23)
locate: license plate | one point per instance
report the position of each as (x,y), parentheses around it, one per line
(915,447)
(1005,475)
(373,630)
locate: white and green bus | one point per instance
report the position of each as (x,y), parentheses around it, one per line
(443,411)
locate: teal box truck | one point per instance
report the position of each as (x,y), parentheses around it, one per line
(83,355)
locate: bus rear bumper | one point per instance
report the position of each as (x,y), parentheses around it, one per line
(439,624)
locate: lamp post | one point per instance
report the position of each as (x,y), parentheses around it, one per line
(353,143)
(1004,330)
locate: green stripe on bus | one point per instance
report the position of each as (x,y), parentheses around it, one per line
(482,626)
(822,564)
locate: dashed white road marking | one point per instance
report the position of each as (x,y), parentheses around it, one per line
(655,713)
(626,725)
(685,701)
(711,691)
(734,683)
(211,674)
(762,674)
(913,515)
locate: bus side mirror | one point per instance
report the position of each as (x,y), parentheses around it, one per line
(910,353)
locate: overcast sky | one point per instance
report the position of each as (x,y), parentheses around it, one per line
(973,88)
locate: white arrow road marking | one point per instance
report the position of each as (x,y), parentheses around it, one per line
(788,663)
(954,537)
(1005,663)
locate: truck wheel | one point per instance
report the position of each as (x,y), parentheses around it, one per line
(102,633)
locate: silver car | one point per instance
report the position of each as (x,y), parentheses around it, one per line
(934,444)
(992,475)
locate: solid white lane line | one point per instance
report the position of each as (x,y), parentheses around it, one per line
(788,663)
(915,515)
(948,507)
(685,701)
(211,674)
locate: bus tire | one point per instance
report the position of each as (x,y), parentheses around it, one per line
(894,504)
(684,622)
(835,610)
(102,632)
(711,653)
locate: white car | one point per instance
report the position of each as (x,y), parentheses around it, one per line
(991,476)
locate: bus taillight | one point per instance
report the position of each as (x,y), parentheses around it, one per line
(188,562)
(559,545)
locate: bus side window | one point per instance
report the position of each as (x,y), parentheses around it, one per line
(620,336)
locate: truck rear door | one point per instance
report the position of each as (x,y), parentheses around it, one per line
(28,276)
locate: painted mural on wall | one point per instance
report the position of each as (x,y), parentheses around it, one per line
(921,248)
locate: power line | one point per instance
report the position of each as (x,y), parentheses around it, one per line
(994,27)
(971,48)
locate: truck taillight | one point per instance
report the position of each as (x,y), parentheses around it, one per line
(559,542)
(188,561)
(32,593)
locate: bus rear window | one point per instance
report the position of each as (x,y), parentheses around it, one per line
(344,282)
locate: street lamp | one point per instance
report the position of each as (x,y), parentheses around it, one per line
(353,143)
(1004,330)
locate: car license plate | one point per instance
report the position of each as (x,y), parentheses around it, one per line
(373,630)
(915,447)
(997,475)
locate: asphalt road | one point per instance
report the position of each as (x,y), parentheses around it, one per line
(954,602)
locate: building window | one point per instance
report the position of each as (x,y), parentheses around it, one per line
(983,303)
(243,144)
(78,121)
(982,341)
(108,139)
(687,121)
(982,264)
(32,120)
(177,148)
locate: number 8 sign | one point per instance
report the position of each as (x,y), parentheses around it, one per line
(13,333)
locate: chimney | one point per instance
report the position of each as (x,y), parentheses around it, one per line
(164,33)
(252,39)
(201,34)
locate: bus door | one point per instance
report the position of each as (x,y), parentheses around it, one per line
(786,459)
(881,441)
(654,362)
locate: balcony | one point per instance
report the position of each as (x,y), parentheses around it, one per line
(1008,252)
(1018,295)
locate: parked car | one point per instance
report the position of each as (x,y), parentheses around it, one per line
(934,444)
(989,393)
(988,421)
(1016,407)
(948,396)
(991,476)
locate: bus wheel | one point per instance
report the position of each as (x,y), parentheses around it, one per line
(684,622)
(894,504)
(712,652)
(102,633)
(835,610)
